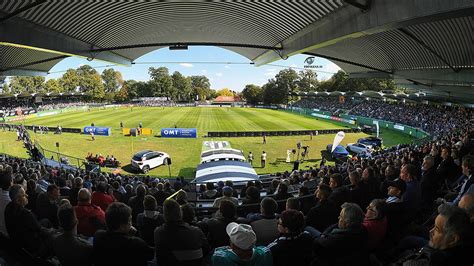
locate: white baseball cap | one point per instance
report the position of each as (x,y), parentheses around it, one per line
(241,235)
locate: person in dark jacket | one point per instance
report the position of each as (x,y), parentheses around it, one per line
(340,193)
(47,205)
(22,226)
(293,247)
(214,228)
(117,246)
(149,220)
(428,184)
(324,213)
(136,203)
(343,243)
(358,192)
(451,241)
(176,242)
(160,195)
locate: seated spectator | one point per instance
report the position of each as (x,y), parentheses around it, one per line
(182,197)
(160,195)
(101,198)
(340,193)
(375,223)
(450,242)
(22,226)
(117,245)
(266,228)
(189,215)
(6,182)
(324,213)
(211,191)
(242,250)
(243,192)
(292,204)
(176,242)
(227,193)
(307,200)
(293,247)
(252,198)
(358,192)
(90,217)
(214,228)
(149,220)
(412,194)
(343,243)
(32,195)
(467,171)
(77,185)
(136,202)
(68,247)
(282,195)
(47,205)
(467,204)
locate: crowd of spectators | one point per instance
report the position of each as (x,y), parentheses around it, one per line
(435,119)
(407,205)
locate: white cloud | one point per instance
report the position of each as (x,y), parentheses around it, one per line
(219,74)
(331,67)
(294,65)
(270,74)
(204,71)
(186,65)
(226,66)
(270,70)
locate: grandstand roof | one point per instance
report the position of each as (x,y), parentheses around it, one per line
(425,45)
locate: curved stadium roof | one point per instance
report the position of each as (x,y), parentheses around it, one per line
(426,45)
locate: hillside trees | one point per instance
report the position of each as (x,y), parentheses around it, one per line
(253,94)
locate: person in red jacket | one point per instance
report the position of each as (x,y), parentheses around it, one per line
(375,222)
(101,198)
(90,217)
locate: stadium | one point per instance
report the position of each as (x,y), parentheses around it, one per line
(333,132)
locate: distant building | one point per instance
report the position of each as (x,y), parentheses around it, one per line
(228,100)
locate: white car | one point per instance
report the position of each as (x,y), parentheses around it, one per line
(359,148)
(147,160)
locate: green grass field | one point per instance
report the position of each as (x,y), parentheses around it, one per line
(185,152)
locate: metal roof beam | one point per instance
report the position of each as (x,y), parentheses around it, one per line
(349,23)
(20,33)
(22,9)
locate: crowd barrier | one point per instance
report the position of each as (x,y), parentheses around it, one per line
(49,129)
(213,134)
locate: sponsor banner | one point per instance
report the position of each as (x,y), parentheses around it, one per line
(47,113)
(179,133)
(399,127)
(98,131)
(334,118)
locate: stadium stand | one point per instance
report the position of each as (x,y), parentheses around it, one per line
(395,198)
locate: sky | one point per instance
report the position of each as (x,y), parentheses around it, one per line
(218,64)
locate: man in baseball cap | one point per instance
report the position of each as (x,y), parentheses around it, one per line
(242,250)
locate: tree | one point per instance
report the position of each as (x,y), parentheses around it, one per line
(19,84)
(182,86)
(268,94)
(201,88)
(225,92)
(70,80)
(307,80)
(253,94)
(90,82)
(53,85)
(112,80)
(161,82)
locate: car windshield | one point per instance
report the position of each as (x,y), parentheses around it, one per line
(340,149)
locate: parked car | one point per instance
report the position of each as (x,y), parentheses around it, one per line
(359,148)
(339,151)
(146,160)
(372,141)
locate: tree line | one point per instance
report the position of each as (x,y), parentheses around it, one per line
(278,90)
(110,85)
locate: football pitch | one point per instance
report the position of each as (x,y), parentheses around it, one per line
(185,152)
